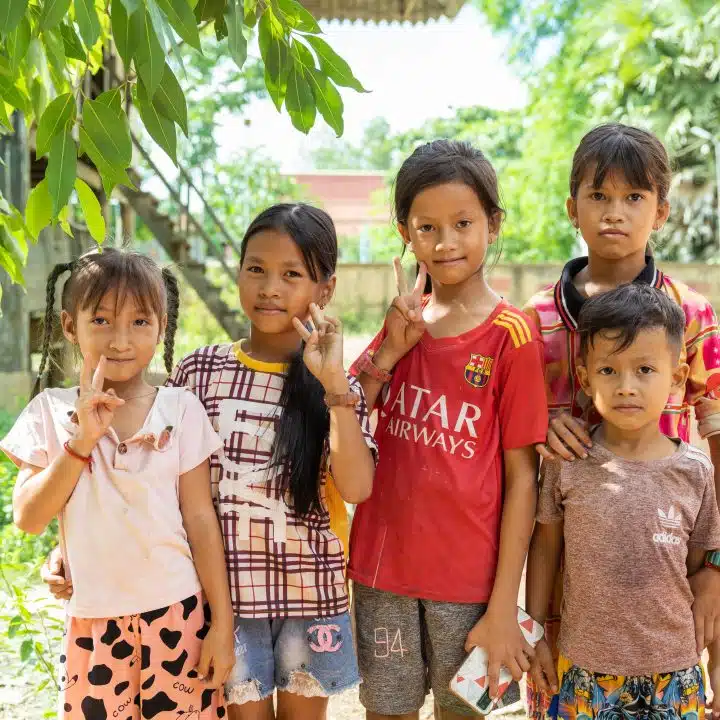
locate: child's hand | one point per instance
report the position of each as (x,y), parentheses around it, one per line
(567,438)
(52,573)
(323,354)
(404,321)
(705,586)
(500,636)
(543,670)
(217,656)
(95,408)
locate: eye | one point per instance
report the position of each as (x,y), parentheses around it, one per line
(646,370)
(99,321)
(464,224)
(635,197)
(142,322)
(425,228)
(598,196)
(605,371)
(256,269)
(293,274)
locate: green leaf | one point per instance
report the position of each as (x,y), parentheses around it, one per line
(111,176)
(275,56)
(182,18)
(53,12)
(14,625)
(250,11)
(18,42)
(113,99)
(125,39)
(11,258)
(55,52)
(91,210)
(11,13)
(71,43)
(161,129)
(333,65)
(38,211)
(209,9)
(221,28)
(300,102)
(149,54)
(26,650)
(13,95)
(61,171)
(109,133)
(328,100)
(234,17)
(58,115)
(170,100)
(87,20)
(64,220)
(297,17)
(38,95)
(4,119)
(130,5)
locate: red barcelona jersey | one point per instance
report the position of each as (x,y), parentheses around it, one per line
(431,527)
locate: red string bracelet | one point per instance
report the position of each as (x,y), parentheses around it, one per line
(85,458)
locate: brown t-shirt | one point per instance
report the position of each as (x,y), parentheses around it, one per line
(627,529)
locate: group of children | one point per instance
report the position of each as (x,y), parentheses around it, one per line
(203,527)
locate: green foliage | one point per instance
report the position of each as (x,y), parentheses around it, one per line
(48,48)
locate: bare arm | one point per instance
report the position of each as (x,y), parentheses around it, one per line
(385,360)
(203,531)
(543,563)
(40,494)
(714,444)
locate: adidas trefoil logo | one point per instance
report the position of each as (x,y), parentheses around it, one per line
(672,520)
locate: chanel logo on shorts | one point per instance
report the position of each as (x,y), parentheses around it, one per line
(322,639)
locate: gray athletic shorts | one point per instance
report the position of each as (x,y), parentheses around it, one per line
(407,646)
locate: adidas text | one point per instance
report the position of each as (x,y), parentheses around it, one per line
(666,539)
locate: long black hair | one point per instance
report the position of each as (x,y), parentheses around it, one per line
(440,162)
(96,273)
(305,421)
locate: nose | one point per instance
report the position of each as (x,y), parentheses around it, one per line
(626,385)
(614,211)
(120,341)
(269,287)
(447,239)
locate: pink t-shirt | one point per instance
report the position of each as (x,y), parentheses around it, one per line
(121,530)
(628,525)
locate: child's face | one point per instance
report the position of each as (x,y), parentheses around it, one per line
(124,334)
(617,219)
(630,388)
(274,284)
(447,229)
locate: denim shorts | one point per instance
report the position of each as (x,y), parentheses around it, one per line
(309,657)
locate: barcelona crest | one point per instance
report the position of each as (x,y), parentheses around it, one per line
(477,371)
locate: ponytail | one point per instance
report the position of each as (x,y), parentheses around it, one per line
(301,434)
(57,271)
(173,306)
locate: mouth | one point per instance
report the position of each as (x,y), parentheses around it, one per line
(268,310)
(449,261)
(629,409)
(120,361)
(613,232)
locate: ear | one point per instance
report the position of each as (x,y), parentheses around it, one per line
(494,223)
(68,326)
(679,377)
(327,291)
(405,235)
(571,207)
(663,212)
(582,374)
(163,328)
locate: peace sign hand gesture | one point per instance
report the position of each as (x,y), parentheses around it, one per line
(95,409)
(404,320)
(323,355)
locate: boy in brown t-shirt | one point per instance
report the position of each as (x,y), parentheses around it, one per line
(636,518)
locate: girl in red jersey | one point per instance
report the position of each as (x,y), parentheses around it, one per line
(456,373)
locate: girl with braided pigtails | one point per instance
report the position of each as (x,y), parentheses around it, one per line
(125,468)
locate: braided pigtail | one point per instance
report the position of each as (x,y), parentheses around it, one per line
(57,271)
(173,307)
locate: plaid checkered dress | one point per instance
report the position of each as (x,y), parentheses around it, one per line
(280,564)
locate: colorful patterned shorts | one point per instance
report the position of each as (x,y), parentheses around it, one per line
(669,696)
(138,666)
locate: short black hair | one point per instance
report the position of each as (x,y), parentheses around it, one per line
(628,310)
(637,154)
